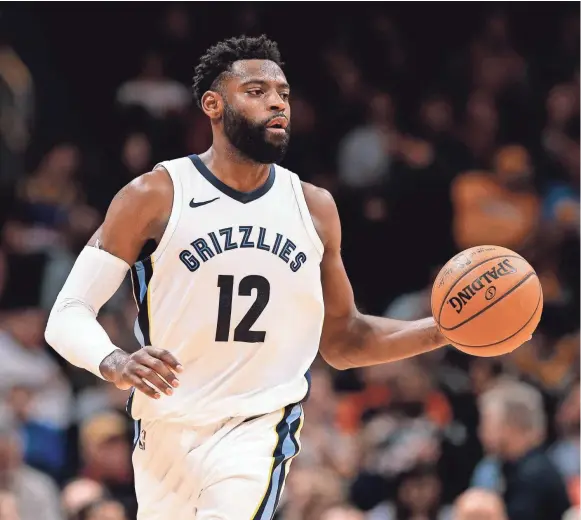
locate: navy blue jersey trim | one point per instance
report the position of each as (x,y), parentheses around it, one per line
(240,196)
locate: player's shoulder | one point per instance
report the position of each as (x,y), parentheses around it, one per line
(321,206)
(323,210)
(146,199)
(319,198)
(152,188)
(157,181)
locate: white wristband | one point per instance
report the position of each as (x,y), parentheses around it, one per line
(72,329)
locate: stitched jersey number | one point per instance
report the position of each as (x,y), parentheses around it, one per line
(242,331)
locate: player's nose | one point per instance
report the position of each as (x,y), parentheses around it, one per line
(276,103)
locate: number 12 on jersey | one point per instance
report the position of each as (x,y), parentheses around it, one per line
(242,331)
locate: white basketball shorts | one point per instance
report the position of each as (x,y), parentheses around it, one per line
(231,471)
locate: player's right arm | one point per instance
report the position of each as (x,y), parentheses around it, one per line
(350,338)
(138,213)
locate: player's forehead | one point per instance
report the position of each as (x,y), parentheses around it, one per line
(259,71)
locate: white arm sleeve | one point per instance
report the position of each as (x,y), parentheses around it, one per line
(72,329)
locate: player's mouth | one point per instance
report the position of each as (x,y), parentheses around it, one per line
(277,125)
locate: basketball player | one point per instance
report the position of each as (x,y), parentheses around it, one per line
(237,273)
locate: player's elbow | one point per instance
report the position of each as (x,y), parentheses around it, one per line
(337,341)
(51,330)
(50,335)
(332,350)
(61,315)
(335,359)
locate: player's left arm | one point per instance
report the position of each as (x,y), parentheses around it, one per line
(350,338)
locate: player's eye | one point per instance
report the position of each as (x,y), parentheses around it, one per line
(255,92)
(284,95)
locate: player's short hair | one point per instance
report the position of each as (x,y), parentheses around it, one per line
(220,57)
(521,405)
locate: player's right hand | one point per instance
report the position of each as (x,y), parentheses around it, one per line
(150,370)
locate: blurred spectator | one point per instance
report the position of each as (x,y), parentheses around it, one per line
(342,513)
(3,272)
(106,455)
(560,139)
(494,36)
(437,126)
(513,427)
(302,156)
(43,231)
(347,82)
(152,90)
(436,118)
(479,129)
(549,363)
(413,305)
(402,390)
(401,425)
(364,153)
(53,188)
(309,492)
(176,25)
(34,387)
(8,506)
(479,504)
(16,112)
(78,494)
(26,364)
(561,206)
(562,109)
(565,452)
(81,222)
(497,208)
(100,397)
(322,444)
(386,41)
(572,514)
(176,39)
(135,158)
(418,497)
(103,510)
(136,155)
(34,494)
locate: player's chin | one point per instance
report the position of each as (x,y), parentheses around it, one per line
(276,135)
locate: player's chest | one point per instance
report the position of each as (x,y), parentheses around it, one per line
(273,236)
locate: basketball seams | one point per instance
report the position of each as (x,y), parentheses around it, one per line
(463,275)
(539,301)
(492,304)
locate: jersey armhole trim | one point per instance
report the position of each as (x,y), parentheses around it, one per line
(306,214)
(174,217)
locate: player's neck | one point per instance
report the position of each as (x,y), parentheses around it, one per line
(233,169)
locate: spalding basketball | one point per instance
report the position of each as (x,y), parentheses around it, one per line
(487,301)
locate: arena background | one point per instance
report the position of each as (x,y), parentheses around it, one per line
(435,126)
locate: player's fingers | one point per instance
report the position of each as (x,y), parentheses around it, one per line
(143,387)
(167,357)
(162,370)
(152,377)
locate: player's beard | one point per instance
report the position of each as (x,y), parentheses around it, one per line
(251,140)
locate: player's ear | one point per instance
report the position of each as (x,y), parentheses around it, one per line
(212,104)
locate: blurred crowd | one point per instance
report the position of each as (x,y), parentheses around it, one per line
(435,132)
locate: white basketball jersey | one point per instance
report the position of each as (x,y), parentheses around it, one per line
(233,290)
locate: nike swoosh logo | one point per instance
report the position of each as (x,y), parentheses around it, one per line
(194,204)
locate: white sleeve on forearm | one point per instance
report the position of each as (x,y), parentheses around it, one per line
(72,329)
